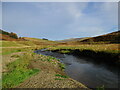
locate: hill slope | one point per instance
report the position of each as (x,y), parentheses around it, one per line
(71,39)
(9,36)
(39,41)
(107,38)
(12,39)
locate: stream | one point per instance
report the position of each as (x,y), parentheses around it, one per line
(86,71)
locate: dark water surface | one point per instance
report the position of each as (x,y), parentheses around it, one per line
(86,71)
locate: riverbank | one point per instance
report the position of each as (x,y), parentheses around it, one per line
(51,75)
(101,53)
(100,56)
(45,68)
(25,69)
(90,72)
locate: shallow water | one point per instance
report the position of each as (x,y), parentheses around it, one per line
(86,71)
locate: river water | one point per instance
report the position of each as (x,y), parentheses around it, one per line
(84,70)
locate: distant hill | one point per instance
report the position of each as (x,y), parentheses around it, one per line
(9,36)
(107,38)
(12,39)
(40,41)
(68,40)
(72,40)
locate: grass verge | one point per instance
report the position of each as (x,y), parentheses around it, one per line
(18,71)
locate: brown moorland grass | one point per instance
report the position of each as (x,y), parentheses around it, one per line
(111,48)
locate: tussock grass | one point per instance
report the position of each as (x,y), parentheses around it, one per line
(18,71)
(111,48)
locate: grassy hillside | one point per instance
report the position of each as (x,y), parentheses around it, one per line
(71,39)
(111,38)
(10,44)
(107,38)
(9,36)
(12,40)
(25,43)
(6,37)
(40,41)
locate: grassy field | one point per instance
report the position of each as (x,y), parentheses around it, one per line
(17,43)
(10,44)
(29,42)
(111,48)
(18,70)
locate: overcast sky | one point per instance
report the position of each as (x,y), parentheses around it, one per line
(60,20)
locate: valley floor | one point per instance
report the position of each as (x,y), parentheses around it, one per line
(49,72)
(24,69)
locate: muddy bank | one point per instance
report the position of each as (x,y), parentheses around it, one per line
(98,56)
